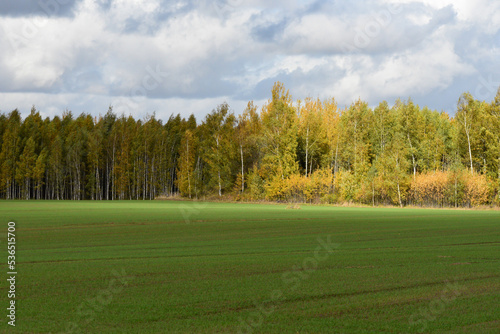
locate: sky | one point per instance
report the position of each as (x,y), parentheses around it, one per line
(187,57)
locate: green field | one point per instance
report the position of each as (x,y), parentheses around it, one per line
(187,267)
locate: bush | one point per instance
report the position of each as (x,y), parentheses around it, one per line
(450,189)
(477,190)
(430,188)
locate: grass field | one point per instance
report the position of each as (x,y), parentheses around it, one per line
(185,267)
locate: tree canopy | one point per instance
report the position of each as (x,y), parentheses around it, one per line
(305,151)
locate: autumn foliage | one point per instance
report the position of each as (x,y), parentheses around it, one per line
(450,189)
(304,151)
(431,188)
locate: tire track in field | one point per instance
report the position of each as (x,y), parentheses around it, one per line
(347,294)
(332,218)
(164,256)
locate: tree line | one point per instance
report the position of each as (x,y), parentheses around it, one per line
(294,151)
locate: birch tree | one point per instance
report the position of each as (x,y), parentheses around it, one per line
(220,148)
(279,137)
(309,130)
(467,116)
(247,135)
(185,171)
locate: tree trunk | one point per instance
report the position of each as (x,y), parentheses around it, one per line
(336,156)
(187,164)
(107,178)
(373,193)
(413,158)
(399,196)
(468,142)
(220,186)
(456,191)
(399,190)
(242,170)
(218,166)
(307,147)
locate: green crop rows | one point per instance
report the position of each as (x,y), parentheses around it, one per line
(187,267)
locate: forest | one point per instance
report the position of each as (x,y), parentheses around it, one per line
(300,151)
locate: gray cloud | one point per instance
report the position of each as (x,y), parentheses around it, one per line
(49,8)
(269,32)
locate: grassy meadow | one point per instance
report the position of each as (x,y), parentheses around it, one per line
(188,267)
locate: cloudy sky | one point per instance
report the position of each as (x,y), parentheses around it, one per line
(145,56)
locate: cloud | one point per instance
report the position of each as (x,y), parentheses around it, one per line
(22,8)
(207,52)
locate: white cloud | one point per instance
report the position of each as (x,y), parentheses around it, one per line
(418,71)
(483,15)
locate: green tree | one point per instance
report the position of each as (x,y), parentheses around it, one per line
(410,119)
(9,154)
(392,168)
(56,167)
(492,137)
(279,138)
(309,131)
(25,168)
(95,160)
(468,118)
(39,172)
(219,147)
(76,152)
(356,150)
(247,136)
(125,130)
(185,171)
(173,130)
(382,128)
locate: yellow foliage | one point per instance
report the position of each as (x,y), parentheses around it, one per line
(477,190)
(445,188)
(430,188)
(299,188)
